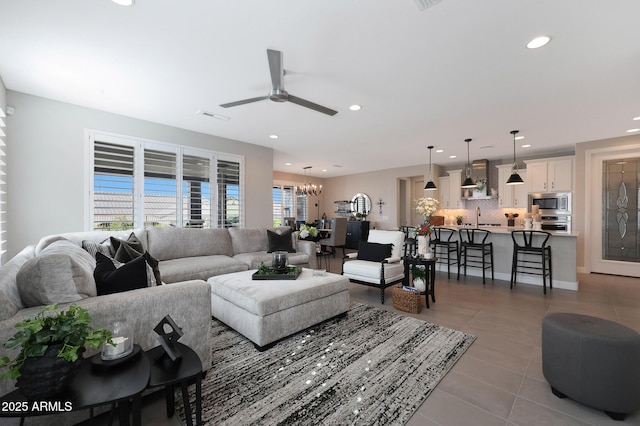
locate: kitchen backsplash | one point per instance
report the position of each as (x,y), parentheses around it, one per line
(490,213)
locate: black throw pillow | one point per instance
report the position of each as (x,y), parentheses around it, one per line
(130,276)
(280,242)
(120,247)
(374,252)
(128,253)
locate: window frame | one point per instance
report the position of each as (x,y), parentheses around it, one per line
(139,145)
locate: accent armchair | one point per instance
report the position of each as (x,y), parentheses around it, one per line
(378,262)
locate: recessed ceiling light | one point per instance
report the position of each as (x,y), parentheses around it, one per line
(538,42)
(439,150)
(273,136)
(452,156)
(633,130)
(519,138)
(355,107)
(123,2)
(324,170)
(526,145)
(636,118)
(287,164)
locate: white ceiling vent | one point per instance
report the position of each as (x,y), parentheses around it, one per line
(423,4)
(212,115)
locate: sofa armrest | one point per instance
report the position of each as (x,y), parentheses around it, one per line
(392,259)
(188,303)
(309,248)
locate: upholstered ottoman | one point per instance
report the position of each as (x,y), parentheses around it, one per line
(265,311)
(593,361)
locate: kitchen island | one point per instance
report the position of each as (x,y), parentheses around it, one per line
(563,257)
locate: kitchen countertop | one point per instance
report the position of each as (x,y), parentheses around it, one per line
(508,229)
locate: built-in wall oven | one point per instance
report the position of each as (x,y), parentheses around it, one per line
(555,209)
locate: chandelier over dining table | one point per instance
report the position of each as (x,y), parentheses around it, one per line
(308,188)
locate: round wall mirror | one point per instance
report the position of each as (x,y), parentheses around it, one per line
(361,203)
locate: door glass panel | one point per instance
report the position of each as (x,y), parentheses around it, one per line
(620,223)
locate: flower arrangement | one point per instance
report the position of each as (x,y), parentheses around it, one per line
(424,229)
(426,206)
(482,183)
(308,232)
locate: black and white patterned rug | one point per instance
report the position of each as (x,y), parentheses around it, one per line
(371,367)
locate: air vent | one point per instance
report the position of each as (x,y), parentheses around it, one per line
(424,4)
(212,115)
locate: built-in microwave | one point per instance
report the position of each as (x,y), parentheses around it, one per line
(556,203)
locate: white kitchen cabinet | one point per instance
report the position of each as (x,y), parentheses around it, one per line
(550,175)
(455,189)
(443,191)
(511,196)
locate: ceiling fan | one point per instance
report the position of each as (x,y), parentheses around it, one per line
(278,94)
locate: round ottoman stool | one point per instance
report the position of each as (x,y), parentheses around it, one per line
(593,361)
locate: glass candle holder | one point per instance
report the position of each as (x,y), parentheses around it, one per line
(122,337)
(279,261)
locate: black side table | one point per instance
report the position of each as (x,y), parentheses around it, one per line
(430,269)
(183,371)
(122,385)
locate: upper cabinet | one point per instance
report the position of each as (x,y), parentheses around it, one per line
(511,196)
(455,189)
(443,191)
(550,175)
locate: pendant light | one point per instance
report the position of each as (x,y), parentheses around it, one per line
(469,182)
(515,178)
(430,186)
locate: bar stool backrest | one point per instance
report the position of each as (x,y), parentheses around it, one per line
(442,235)
(530,239)
(474,236)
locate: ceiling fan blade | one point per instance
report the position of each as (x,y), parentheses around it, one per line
(244,101)
(311,105)
(276,68)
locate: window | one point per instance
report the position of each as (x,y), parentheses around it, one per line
(283,199)
(136,183)
(3,210)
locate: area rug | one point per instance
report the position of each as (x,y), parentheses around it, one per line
(370,367)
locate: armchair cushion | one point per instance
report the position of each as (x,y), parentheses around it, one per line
(280,241)
(374,252)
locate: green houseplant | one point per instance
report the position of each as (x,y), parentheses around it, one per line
(51,348)
(419,275)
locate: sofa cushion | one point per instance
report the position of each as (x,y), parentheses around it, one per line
(9,294)
(124,250)
(280,241)
(130,276)
(374,252)
(166,243)
(61,273)
(198,268)
(248,240)
(253,260)
(103,247)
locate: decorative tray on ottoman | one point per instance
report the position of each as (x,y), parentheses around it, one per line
(267,273)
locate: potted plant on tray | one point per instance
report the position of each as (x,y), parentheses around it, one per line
(51,348)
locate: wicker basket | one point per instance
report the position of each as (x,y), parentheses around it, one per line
(406,300)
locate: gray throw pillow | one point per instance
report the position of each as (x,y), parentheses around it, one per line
(61,273)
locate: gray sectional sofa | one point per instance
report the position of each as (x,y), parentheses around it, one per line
(59,270)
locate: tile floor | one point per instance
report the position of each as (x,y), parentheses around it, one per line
(499,380)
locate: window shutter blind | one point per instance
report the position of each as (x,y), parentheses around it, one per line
(113,185)
(229,196)
(3,208)
(302,211)
(276,195)
(196,192)
(160,188)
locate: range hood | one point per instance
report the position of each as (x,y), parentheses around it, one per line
(480,170)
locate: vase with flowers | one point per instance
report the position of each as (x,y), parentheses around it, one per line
(308,232)
(423,232)
(426,206)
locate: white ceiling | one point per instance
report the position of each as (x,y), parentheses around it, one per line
(459,69)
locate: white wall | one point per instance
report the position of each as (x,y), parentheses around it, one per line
(46,165)
(380,184)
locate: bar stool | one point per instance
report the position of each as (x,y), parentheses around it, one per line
(443,247)
(474,250)
(535,256)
